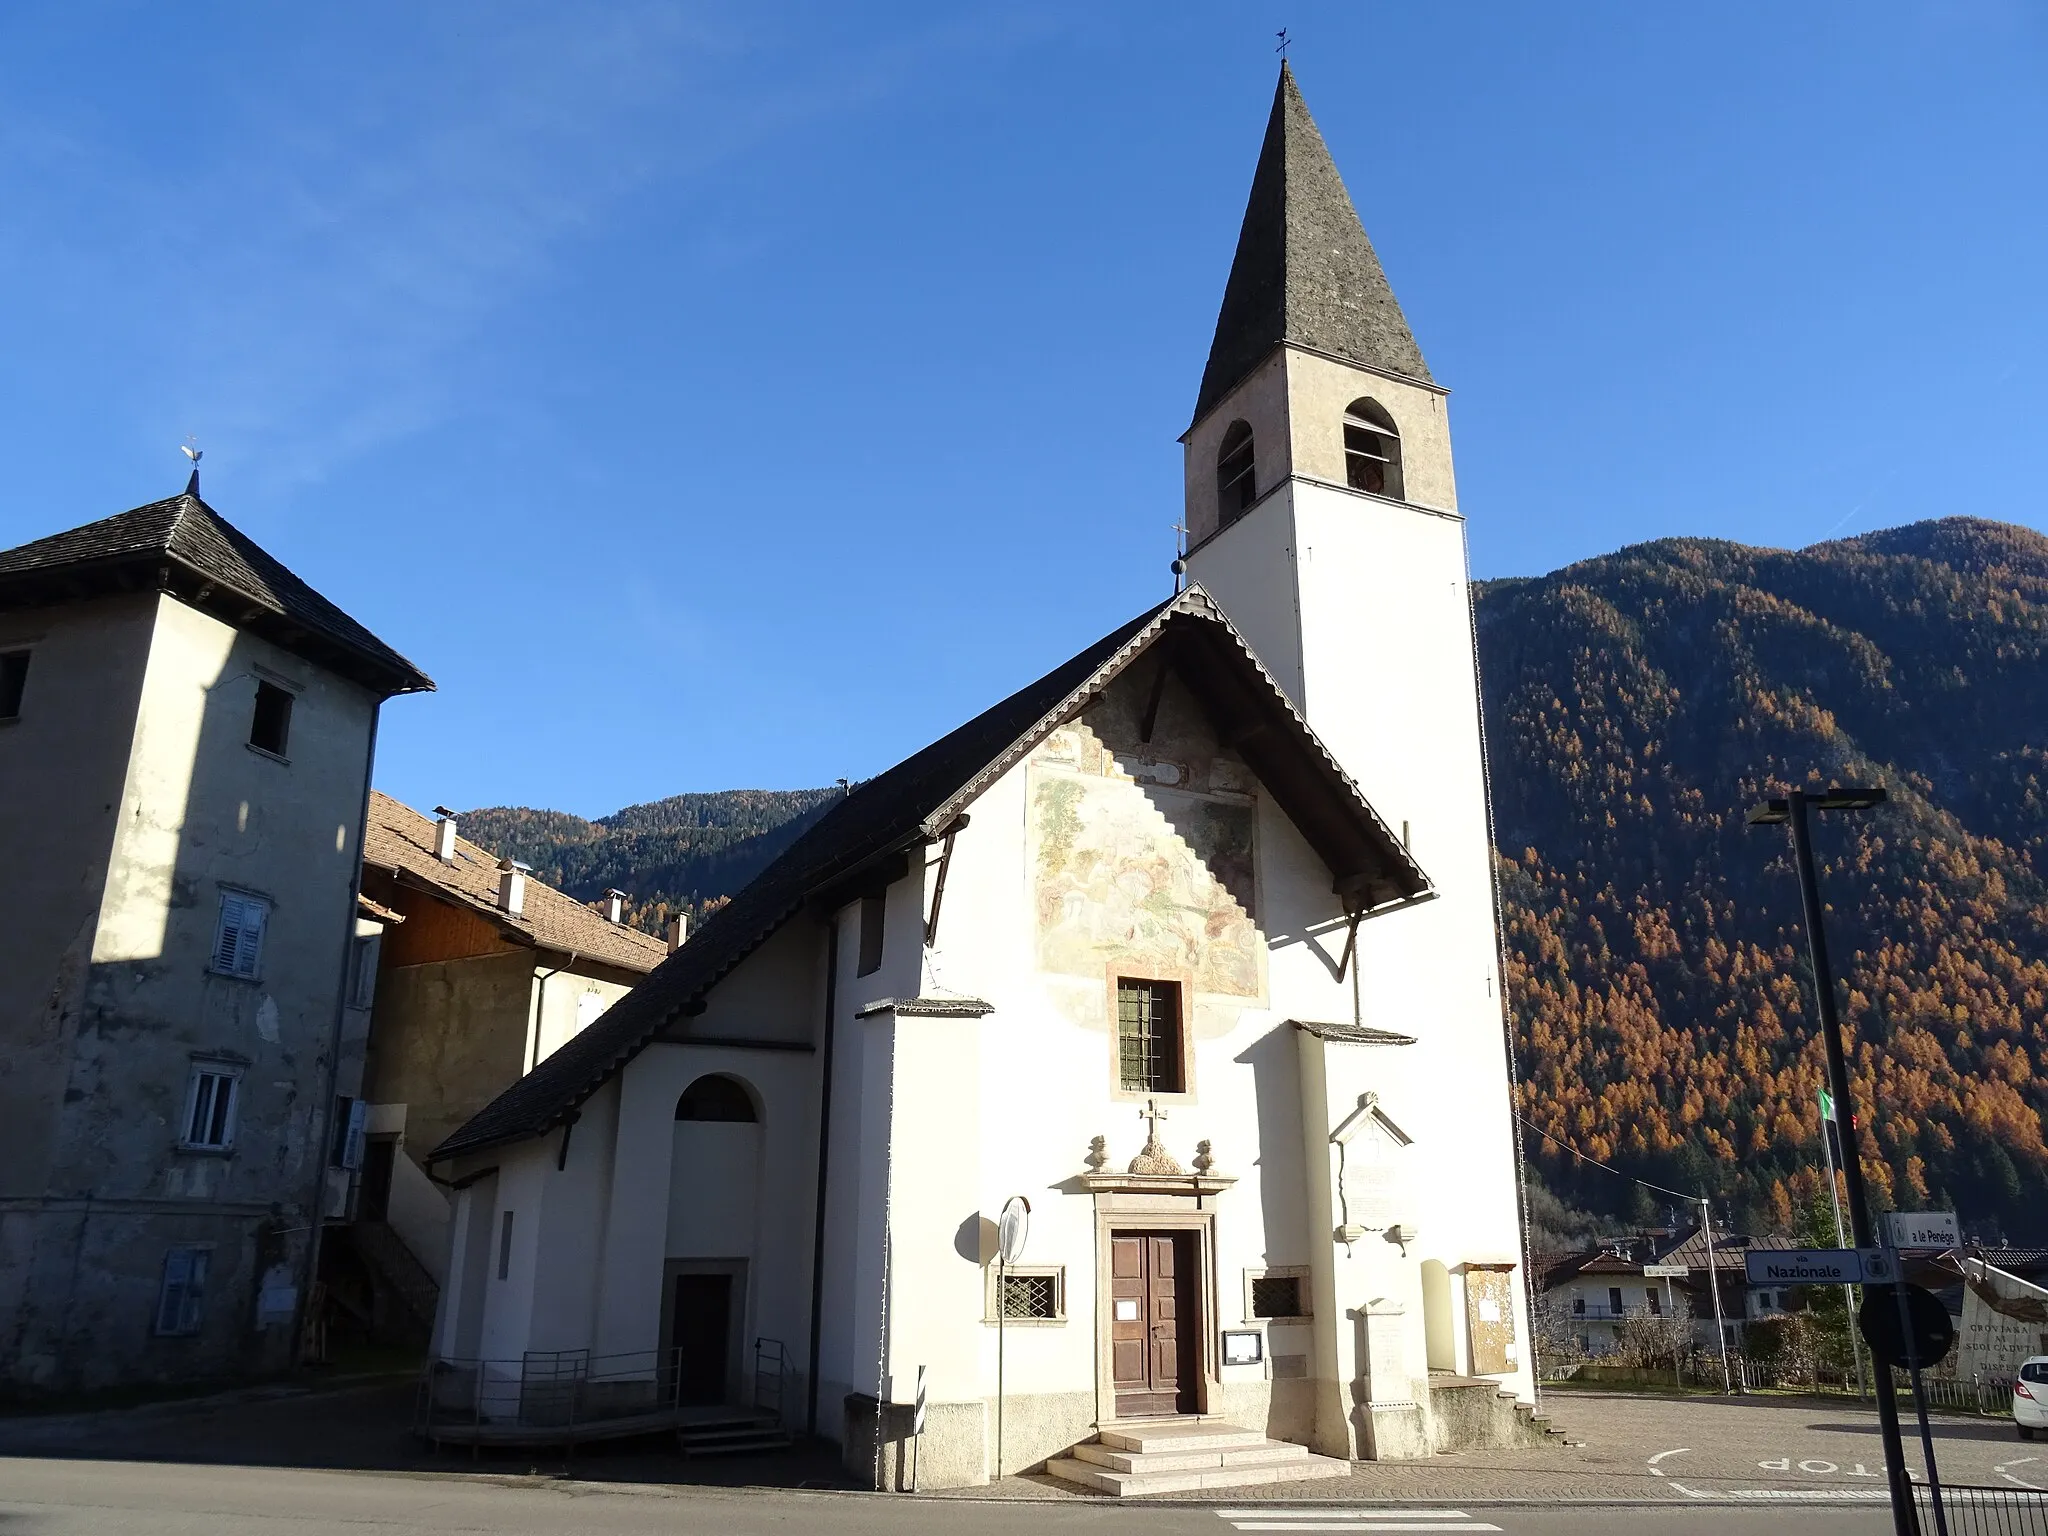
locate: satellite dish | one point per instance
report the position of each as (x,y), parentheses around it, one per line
(1014,1228)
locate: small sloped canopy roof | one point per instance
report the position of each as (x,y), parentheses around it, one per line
(183,547)
(911,804)
(1304,271)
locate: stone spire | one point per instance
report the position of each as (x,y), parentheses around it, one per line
(1304,271)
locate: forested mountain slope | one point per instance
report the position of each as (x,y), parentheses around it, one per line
(687,853)
(1636,705)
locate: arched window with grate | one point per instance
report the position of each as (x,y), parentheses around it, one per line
(1372,449)
(1237,475)
(716,1098)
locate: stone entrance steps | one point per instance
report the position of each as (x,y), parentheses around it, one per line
(736,1434)
(1179,1455)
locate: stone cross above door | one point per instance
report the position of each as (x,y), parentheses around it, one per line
(1154,1159)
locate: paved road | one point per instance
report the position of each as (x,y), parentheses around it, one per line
(342,1463)
(1727,1445)
(41,1497)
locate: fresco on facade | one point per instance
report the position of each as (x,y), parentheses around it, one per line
(1134,873)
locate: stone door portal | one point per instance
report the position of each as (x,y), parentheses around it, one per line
(1154,1323)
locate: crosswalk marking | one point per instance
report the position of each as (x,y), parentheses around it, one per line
(1312,1519)
(1319,1514)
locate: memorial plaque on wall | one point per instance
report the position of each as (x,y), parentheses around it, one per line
(1371,1182)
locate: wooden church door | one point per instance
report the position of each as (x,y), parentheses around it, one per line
(1155,1322)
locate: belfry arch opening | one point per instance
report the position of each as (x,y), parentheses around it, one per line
(1237,475)
(1372,449)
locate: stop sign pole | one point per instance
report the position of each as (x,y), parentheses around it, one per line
(1794,809)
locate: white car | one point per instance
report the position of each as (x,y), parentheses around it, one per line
(2030,1397)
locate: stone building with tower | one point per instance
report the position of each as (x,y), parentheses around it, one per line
(186,735)
(1191,944)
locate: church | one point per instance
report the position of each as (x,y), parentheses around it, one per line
(1189,948)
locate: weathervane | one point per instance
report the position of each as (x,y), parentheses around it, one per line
(1284,41)
(192,451)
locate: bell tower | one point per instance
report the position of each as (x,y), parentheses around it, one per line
(1322,515)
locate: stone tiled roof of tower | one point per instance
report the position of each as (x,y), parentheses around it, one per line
(1304,270)
(181,545)
(400,839)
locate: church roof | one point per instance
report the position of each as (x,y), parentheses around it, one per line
(1304,271)
(862,841)
(184,547)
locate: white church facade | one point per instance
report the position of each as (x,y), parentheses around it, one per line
(1191,944)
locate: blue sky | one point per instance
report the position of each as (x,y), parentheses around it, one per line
(717,396)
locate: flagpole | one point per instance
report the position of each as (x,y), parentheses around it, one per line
(1827,1146)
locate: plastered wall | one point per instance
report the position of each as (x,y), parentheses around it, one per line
(195,812)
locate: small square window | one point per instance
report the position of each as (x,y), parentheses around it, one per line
(270,729)
(210,1105)
(1028,1294)
(1656,1303)
(181,1300)
(238,939)
(1277,1296)
(13,683)
(873,909)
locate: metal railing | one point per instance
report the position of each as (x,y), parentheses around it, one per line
(1971,1511)
(1986,1396)
(555,1389)
(771,1370)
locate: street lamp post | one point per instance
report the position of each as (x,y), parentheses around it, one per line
(1793,809)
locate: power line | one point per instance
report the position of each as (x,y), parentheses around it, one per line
(1608,1167)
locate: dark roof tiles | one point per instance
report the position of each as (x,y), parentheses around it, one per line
(1304,271)
(143,546)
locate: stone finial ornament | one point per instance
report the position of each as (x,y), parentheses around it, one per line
(1098,1153)
(1154,1159)
(1203,1160)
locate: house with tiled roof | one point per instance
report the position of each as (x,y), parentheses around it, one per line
(480,972)
(1171,979)
(186,731)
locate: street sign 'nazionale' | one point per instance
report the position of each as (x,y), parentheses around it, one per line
(1819,1266)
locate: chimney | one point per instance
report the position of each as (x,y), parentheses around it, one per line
(678,930)
(615,906)
(511,886)
(444,835)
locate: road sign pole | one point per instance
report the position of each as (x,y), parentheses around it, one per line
(1002,1307)
(1905,1518)
(1714,1285)
(1919,1392)
(1829,1128)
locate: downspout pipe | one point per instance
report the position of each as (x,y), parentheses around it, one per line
(317,1207)
(824,1169)
(540,1003)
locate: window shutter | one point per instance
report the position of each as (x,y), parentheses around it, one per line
(178,1304)
(250,949)
(201,1117)
(352,1134)
(227,943)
